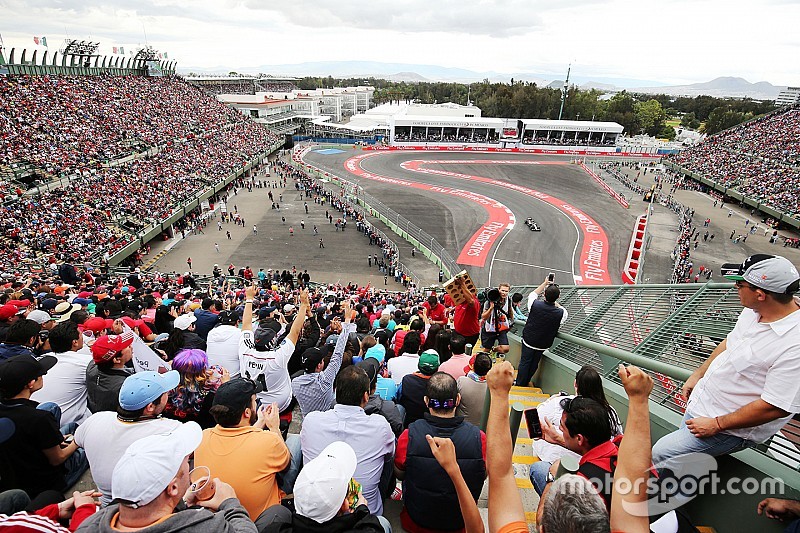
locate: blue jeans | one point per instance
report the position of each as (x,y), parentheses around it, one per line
(681,442)
(538,475)
(77,463)
(528,363)
(289,476)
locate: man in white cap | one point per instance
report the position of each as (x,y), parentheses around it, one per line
(150,481)
(749,386)
(106,434)
(326,498)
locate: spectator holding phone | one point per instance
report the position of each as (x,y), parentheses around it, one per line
(544,319)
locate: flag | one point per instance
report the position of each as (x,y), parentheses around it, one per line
(44,41)
(165,55)
(115,49)
(122,50)
(36,40)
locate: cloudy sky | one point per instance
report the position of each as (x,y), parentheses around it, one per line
(681,41)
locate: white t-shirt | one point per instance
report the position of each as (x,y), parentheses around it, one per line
(273,365)
(399,367)
(105,439)
(762,361)
(65,385)
(223,348)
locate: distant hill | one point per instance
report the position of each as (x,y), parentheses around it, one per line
(727,86)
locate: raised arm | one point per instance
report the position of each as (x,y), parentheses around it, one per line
(505,503)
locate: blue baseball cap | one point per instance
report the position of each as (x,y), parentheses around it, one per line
(143,388)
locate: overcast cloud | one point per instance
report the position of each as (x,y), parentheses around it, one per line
(683,41)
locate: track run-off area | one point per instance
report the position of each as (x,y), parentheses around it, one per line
(475,208)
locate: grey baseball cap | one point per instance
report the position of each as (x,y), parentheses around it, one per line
(768,272)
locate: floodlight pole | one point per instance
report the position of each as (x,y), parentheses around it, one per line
(564,92)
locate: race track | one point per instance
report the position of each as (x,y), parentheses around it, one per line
(475,205)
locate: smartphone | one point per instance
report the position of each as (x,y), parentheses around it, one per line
(551,277)
(533,423)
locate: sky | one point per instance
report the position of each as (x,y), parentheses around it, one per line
(676,42)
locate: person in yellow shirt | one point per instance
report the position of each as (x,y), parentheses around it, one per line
(246,450)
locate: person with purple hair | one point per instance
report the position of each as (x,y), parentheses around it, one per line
(192,399)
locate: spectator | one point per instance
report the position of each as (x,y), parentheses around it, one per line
(21,338)
(370,435)
(458,363)
(412,395)
(187,334)
(107,371)
(40,455)
(327,498)
(497,318)
(378,405)
(192,398)
(408,361)
(472,388)
(429,497)
(239,451)
(223,343)
(544,319)
(66,382)
(207,317)
(106,435)
(314,389)
(738,399)
(150,481)
(466,314)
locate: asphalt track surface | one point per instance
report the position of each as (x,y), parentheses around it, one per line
(475,194)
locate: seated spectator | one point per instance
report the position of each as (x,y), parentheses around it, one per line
(66,382)
(551,447)
(239,451)
(207,317)
(108,371)
(223,343)
(459,361)
(472,388)
(370,435)
(106,435)
(385,321)
(40,455)
(407,363)
(192,398)
(149,483)
(22,337)
(416,325)
(187,324)
(258,359)
(378,405)
(430,501)
(327,498)
(48,519)
(783,510)
(413,390)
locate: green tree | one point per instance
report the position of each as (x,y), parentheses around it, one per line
(689,120)
(722,118)
(650,116)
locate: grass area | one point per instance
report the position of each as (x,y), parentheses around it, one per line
(674,122)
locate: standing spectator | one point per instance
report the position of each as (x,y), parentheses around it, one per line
(222,342)
(466,314)
(544,319)
(497,318)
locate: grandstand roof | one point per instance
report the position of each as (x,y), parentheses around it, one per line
(447,122)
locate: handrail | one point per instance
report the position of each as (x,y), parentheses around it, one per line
(632,358)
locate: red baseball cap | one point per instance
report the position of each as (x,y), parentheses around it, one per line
(7,311)
(105,347)
(97,324)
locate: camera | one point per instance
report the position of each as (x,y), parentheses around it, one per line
(493,295)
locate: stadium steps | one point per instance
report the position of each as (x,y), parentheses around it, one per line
(153,260)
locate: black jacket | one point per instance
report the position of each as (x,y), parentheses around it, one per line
(388,410)
(360,521)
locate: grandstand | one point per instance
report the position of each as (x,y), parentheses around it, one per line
(241,85)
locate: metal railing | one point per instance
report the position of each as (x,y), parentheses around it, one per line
(667,330)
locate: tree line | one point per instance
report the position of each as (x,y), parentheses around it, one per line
(637,113)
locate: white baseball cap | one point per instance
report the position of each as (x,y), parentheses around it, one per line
(150,463)
(768,272)
(322,485)
(184,321)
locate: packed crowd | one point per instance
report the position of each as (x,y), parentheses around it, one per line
(758,158)
(69,125)
(479,136)
(192,432)
(529,138)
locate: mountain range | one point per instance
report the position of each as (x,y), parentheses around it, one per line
(414,73)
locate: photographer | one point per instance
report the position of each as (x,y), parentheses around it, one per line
(497,318)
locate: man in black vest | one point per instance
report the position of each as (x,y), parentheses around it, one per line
(544,319)
(430,501)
